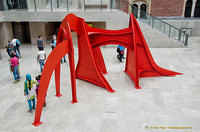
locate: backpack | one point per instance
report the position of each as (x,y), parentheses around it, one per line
(18,43)
(118,50)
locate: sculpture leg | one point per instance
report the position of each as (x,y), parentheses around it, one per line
(53,62)
(99,60)
(57,80)
(132,67)
(73,77)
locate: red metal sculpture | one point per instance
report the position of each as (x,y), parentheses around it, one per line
(139,62)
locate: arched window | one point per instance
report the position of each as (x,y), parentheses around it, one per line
(197,9)
(188,8)
(135,10)
(143,9)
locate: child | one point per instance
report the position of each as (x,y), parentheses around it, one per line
(37,87)
(29,92)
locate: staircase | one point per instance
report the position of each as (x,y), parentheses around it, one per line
(160,26)
(154,37)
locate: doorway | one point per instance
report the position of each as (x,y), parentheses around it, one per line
(188,8)
(143,9)
(135,10)
(21,31)
(197,9)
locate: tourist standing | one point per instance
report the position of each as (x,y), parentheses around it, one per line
(53,42)
(29,91)
(16,44)
(14,54)
(53,45)
(41,58)
(40,42)
(14,67)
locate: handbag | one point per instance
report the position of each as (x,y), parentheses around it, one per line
(11,68)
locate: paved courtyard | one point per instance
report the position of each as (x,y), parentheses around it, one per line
(162,102)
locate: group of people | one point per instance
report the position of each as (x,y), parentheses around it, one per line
(14,53)
(42,54)
(30,92)
(14,46)
(13,50)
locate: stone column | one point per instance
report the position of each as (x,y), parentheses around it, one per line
(149,6)
(6,33)
(36,29)
(139,4)
(193,7)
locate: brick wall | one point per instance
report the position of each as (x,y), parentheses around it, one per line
(167,7)
(122,4)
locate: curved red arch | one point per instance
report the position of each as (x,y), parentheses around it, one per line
(111,42)
(53,61)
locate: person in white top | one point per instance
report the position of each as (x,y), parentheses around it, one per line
(16,44)
(41,58)
(13,42)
